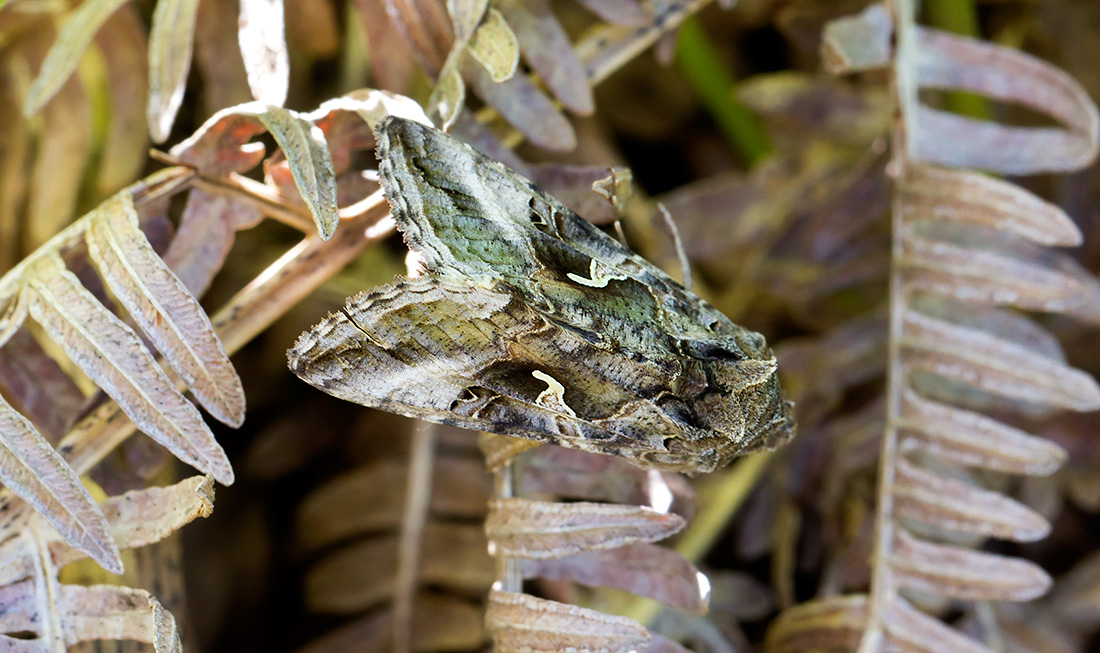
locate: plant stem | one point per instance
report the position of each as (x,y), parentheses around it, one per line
(713,82)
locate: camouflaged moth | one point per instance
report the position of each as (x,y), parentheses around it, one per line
(530,322)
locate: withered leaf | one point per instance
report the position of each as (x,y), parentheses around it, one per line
(644,569)
(111,354)
(68,47)
(541,529)
(170,43)
(494,46)
(34,471)
(263,48)
(521,622)
(157,300)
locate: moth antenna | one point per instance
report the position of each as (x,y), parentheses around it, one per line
(685,265)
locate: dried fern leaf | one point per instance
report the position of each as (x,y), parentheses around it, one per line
(643,569)
(547,48)
(110,612)
(909,629)
(956,269)
(973,439)
(123,45)
(948,61)
(141,517)
(35,472)
(494,46)
(521,622)
(956,506)
(572,474)
(963,573)
(67,49)
(170,43)
(361,575)
(370,497)
(261,33)
(158,301)
(930,192)
(15,312)
(443,624)
(834,622)
(995,365)
(540,529)
(113,356)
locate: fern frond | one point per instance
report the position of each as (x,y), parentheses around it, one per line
(43,614)
(962,243)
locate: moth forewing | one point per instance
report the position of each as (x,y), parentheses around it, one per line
(529,321)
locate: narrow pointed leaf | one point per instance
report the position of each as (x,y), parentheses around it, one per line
(35,472)
(158,301)
(910,630)
(956,506)
(170,44)
(542,529)
(948,61)
(975,440)
(995,365)
(547,48)
(647,570)
(521,622)
(67,49)
(114,358)
(933,193)
(262,35)
(304,145)
(963,573)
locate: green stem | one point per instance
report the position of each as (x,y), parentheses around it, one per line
(959,17)
(713,82)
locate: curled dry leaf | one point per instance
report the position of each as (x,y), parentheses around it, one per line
(521,622)
(263,48)
(221,146)
(539,529)
(170,43)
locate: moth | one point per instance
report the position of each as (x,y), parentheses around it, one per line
(530,322)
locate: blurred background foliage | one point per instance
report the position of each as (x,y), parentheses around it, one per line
(775,175)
